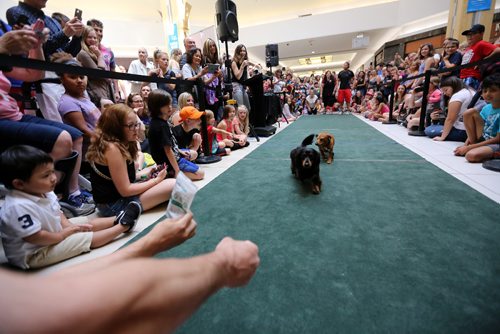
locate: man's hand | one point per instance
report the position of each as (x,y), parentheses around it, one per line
(240,258)
(171,232)
(73,28)
(18,42)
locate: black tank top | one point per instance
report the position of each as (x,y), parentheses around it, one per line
(244,76)
(103,188)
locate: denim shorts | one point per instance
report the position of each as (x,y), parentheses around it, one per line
(472,82)
(187,166)
(35,131)
(114,208)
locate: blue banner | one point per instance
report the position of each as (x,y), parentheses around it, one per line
(477,5)
(173,39)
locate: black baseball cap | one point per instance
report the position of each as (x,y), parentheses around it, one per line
(474,29)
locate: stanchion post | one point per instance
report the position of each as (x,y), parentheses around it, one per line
(207,157)
(421,126)
(391,120)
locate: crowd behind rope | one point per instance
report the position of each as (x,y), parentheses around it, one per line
(106,130)
(133,138)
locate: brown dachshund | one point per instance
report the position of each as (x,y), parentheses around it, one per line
(325,142)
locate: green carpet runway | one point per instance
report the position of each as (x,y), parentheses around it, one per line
(392,244)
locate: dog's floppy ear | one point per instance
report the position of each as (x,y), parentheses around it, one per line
(331,141)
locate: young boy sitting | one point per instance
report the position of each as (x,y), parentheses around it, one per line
(34,231)
(187,133)
(483,129)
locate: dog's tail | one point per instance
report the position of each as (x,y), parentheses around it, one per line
(308,140)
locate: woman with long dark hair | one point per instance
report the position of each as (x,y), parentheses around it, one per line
(327,93)
(239,68)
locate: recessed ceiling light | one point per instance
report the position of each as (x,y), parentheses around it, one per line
(313,51)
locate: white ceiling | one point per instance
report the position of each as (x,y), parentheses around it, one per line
(328,31)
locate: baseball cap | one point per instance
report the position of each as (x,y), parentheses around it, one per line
(190,112)
(474,29)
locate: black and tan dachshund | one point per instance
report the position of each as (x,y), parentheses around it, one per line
(305,163)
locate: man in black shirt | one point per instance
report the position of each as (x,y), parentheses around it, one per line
(346,77)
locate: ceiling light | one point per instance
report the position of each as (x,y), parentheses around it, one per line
(313,51)
(316,60)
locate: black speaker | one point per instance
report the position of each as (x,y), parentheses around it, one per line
(227,22)
(272,58)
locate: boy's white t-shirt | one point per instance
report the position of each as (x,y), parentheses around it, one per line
(23,215)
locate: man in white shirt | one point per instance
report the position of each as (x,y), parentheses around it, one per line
(141,66)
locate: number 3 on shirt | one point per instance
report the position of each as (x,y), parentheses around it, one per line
(26,220)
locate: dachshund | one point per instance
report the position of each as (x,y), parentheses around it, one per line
(305,163)
(325,142)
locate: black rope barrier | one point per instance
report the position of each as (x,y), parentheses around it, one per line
(8,62)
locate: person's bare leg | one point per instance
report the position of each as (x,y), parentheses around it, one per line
(62,146)
(196,142)
(103,237)
(102,223)
(479,154)
(158,194)
(73,184)
(479,125)
(199,175)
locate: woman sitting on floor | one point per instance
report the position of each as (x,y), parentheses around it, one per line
(460,97)
(113,173)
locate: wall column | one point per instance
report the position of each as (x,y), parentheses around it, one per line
(459,20)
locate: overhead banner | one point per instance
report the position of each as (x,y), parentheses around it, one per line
(478,5)
(173,39)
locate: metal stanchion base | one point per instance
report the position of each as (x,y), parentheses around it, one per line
(390,122)
(207,159)
(416,133)
(493,165)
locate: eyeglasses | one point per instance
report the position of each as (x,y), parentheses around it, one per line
(133,126)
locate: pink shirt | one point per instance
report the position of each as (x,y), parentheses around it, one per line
(8,105)
(385,109)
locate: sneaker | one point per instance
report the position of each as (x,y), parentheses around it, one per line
(78,207)
(129,216)
(87,196)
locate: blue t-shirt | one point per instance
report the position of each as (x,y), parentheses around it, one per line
(491,121)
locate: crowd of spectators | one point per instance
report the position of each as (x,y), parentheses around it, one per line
(134,139)
(104,129)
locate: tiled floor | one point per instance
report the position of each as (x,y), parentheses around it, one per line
(439,153)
